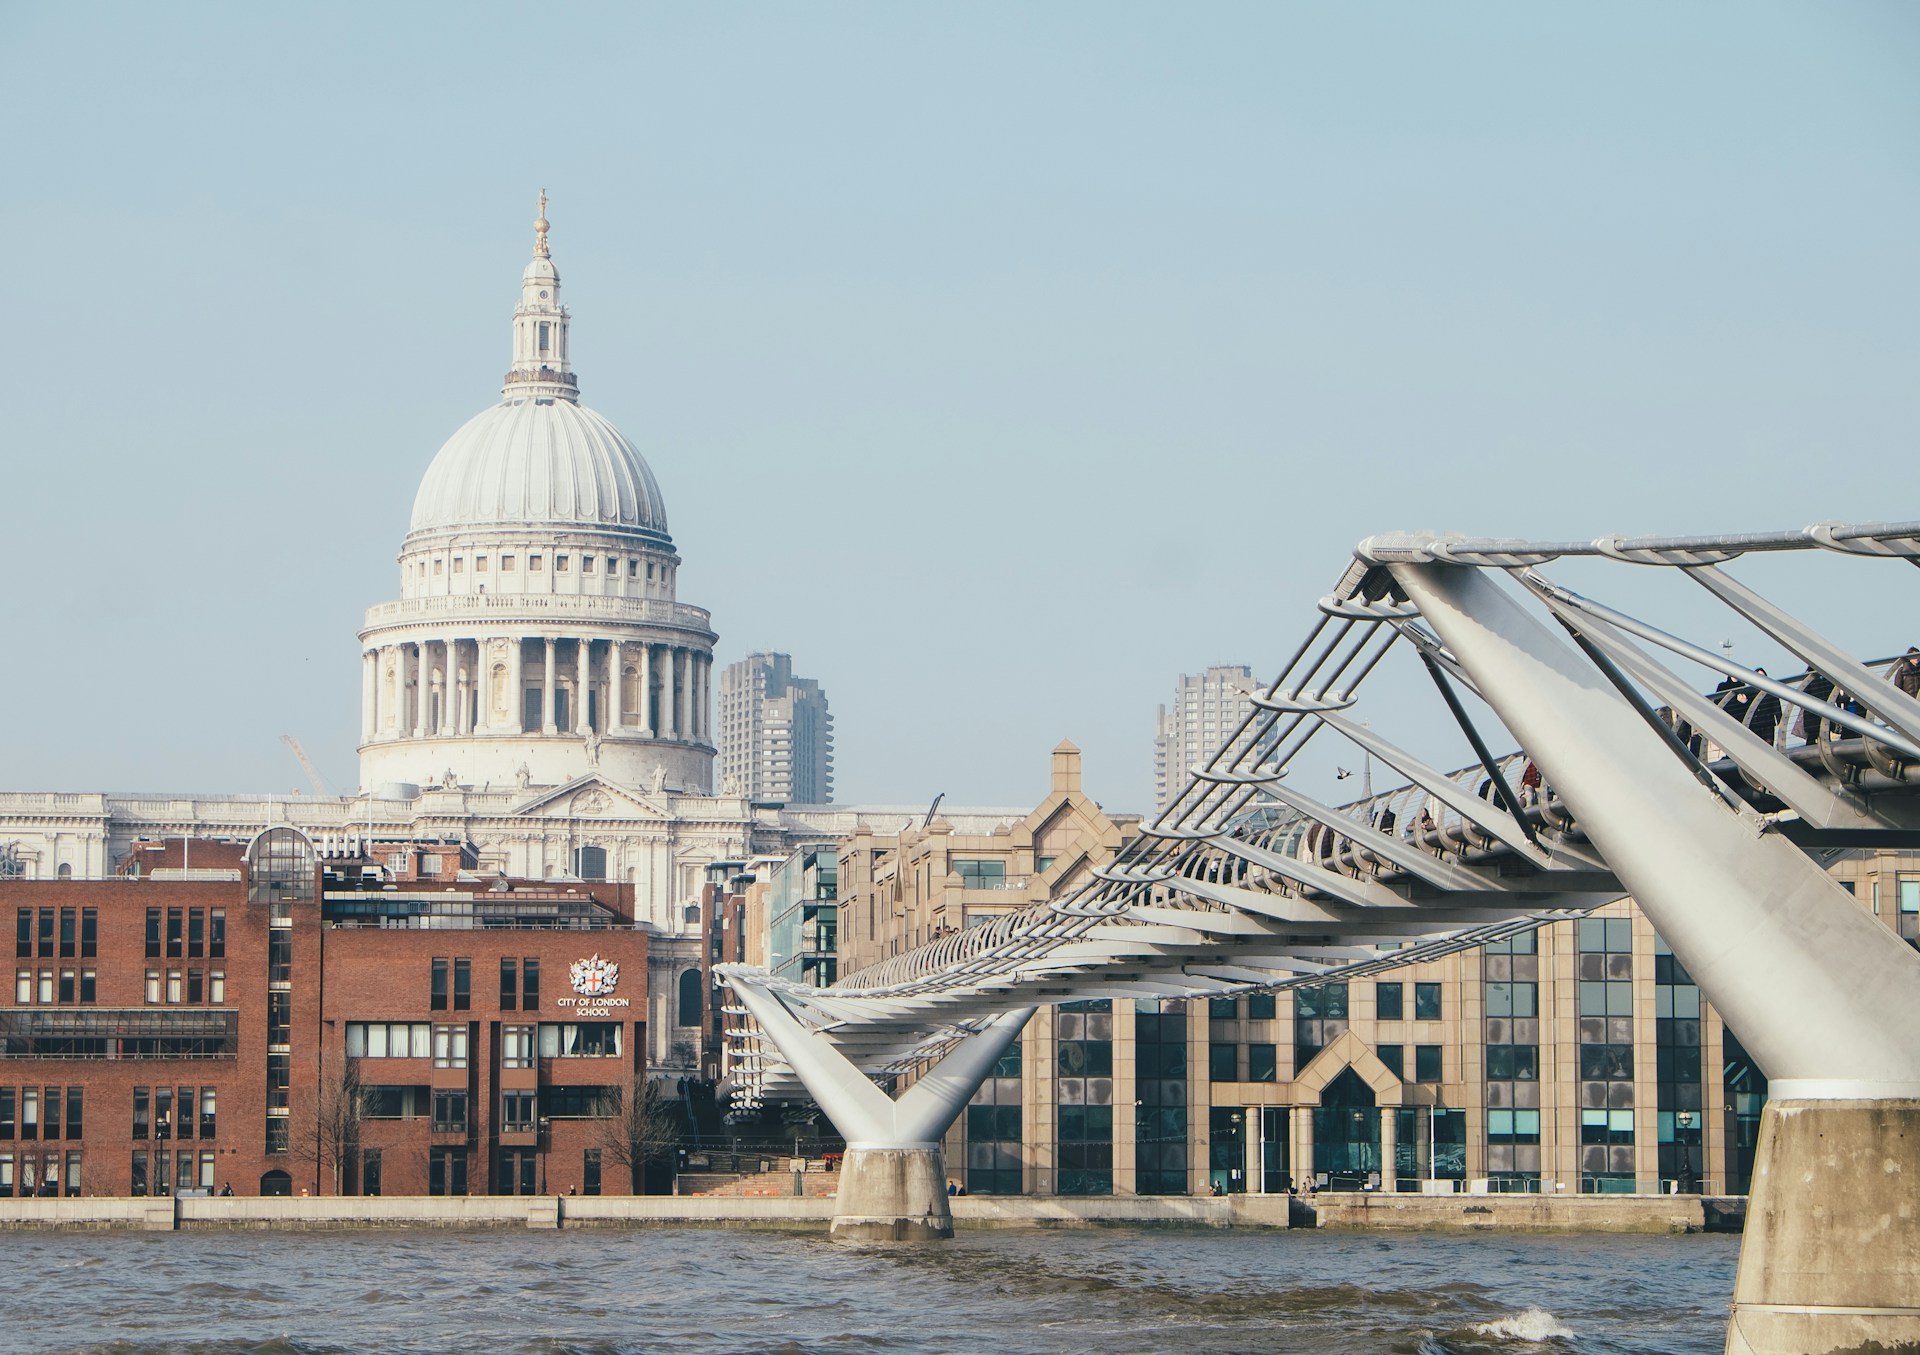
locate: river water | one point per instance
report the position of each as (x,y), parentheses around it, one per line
(690,1292)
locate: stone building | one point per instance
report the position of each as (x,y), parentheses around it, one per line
(537,692)
(776,733)
(899,890)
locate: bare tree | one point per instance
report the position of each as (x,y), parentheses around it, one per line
(329,1142)
(637,1129)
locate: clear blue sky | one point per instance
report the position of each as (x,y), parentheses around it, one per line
(998,361)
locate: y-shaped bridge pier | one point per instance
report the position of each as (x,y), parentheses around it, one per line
(1713,815)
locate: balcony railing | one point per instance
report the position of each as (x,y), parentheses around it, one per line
(585,606)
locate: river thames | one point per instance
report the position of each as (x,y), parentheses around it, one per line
(1114,1291)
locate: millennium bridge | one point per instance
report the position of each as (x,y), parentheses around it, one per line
(1616,776)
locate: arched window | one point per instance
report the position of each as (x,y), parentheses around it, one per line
(65,872)
(630,695)
(690,998)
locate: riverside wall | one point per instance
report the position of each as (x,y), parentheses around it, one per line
(1473,1213)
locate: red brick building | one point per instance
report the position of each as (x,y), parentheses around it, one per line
(378,1022)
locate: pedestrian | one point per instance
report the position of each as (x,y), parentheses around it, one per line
(226,1189)
(1530,783)
(1906,673)
(1817,687)
(1766,711)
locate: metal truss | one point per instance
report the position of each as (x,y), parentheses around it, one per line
(1249,882)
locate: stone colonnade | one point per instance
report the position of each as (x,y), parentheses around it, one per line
(458,686)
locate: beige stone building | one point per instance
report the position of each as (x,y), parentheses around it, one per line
(902,890)
(1575,1058)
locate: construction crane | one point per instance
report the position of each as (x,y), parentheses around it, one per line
(320,787)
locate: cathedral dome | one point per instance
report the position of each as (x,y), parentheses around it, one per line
(538,460)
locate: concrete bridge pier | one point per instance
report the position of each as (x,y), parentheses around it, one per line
(893,1181)
(1824,996)
(1831,1256)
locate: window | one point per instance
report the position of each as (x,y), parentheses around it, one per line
(89,984)
(1394,1057)
(69,932)
(479,564)
(1223,1062)
(1426,1002)
(69,988)
(449,1046)
(196,985)
(590,1165)
(23,986)
(153,933)
(7,1114)
(690,995)
(517,1114)
(46,933)
(439,989)
(46,986)
(394,1102)
(279,1018)
(176,927)
(175,986)
(217,986)
(1263,1062)
(153,985)
(533,564)
(516,1046)
(196,933)
(1513,1126)
(462,985)
(459,564)
(446,1171)
(575,1103)
(1223,1009)
(280,955)
(209,1111)
(586,564)
(981,874)
(1261,1007)
(23,932)
(183,1127)
(449,1112)
(389,1039)
(141,1125)
(509,984)
(1426,1063)
(1513,999)
(633,569)
(580,1040)
(89,933)
(530,983)
(506,564)
(560,564)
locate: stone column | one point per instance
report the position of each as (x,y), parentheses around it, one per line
(517,687)
(1389,1129)
(582,683)
(450,689)
(615,715)
(464,684)
(422,689)
(669,699)
(1302,1155)
(546,693)
(482,685)
(369,693)
(646,690)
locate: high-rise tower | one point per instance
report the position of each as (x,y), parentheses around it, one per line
(776,735)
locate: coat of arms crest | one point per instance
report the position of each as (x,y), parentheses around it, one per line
(594,977)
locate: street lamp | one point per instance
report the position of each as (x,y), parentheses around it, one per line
(540,1141)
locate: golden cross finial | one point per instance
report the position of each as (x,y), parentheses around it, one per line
(540,228)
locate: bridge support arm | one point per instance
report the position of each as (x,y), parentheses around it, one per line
(893,1181)
(1824,996)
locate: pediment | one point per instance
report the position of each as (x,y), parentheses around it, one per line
(593,797)
(1349,1051)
